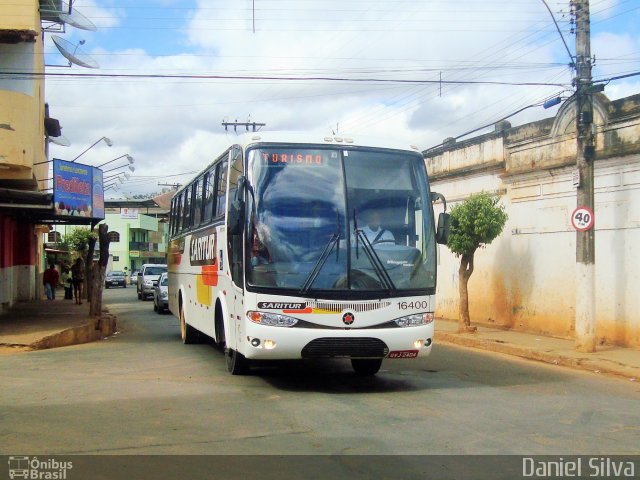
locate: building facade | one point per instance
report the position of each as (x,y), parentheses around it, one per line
(526,279)
(135,238)
(22,150)
(26,200)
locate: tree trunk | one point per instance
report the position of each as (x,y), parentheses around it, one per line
(464,272)
(98,272)
(88,268)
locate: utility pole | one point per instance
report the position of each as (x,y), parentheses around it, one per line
(255,126)
(585,335)
(175,186)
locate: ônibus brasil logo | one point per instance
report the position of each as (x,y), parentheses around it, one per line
(35,469)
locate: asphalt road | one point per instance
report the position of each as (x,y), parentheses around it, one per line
(143,392)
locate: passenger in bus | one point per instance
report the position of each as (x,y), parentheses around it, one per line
(374,231)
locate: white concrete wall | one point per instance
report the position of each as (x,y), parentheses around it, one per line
(526,278)
(16,285)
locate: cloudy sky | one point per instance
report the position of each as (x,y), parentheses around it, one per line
(171,71)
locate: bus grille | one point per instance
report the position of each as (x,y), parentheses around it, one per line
(345,347)
(352,307)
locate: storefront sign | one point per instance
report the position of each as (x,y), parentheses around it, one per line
(77,190)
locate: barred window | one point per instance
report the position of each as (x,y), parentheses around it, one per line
(54,237)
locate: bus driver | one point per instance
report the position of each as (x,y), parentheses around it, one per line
(374,232)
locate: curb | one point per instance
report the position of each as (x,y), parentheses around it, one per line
(97,329)
(594,365)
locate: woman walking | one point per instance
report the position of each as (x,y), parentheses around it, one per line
(77,274)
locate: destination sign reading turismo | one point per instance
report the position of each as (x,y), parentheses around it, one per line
(307,158)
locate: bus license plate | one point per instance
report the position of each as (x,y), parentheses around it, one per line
(403,354)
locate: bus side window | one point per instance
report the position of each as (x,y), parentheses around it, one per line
(208,195)
(172,216)
(186,215)
(221,194)
(235,246)
(178,216)
(197,203)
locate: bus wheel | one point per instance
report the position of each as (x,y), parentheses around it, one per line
(187,332)
(237,364)
(366,366)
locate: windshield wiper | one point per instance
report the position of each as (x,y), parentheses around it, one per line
(373,257)
(319,264)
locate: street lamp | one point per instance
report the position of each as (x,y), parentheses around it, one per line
(106,140)
(109,177)
(131,167)
(130,159)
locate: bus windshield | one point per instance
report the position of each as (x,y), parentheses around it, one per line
(330,220)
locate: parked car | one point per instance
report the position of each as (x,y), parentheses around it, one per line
(133,279)
(115,278)
(161,294)
(149,273)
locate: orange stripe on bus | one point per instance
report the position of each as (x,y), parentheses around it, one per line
(210,275)
(304,310)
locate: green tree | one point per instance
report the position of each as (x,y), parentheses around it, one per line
(78,239)
(475,223)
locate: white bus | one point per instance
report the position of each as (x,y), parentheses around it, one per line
(299,246)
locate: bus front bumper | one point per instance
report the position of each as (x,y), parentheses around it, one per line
(282,343)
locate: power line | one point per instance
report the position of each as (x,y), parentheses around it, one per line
(275,78)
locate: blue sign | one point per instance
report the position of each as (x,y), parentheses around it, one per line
(77,190)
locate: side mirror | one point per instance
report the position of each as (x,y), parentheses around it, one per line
(235,218)
(444,226)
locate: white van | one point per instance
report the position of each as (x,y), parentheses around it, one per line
(147,278)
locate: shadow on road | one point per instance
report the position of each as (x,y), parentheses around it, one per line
(447,368)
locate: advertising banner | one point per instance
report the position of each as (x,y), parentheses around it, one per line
(98,193)
(130,213)
(77,190)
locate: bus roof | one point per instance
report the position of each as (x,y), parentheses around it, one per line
(245,140)
(248,139)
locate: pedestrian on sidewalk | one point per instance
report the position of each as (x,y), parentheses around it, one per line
(50,281)
(77,274)
(67,282)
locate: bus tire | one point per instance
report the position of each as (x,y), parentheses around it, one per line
(219,327)
(366,366)
(237,364)
(187,332)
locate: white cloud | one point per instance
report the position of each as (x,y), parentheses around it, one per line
(174,125)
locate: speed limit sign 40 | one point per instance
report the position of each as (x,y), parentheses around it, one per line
(582,219)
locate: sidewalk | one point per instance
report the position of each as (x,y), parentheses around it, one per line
(43,324)
(40,324)
(607,358)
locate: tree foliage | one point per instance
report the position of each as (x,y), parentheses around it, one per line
(476,222)
(78,239)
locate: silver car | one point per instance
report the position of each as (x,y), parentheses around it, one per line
(161,294)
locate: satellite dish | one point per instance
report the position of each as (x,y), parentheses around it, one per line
(76,19)
(58,11)
(73,53)
(61,140)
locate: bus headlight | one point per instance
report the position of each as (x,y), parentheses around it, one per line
(415,320)
(271,319)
